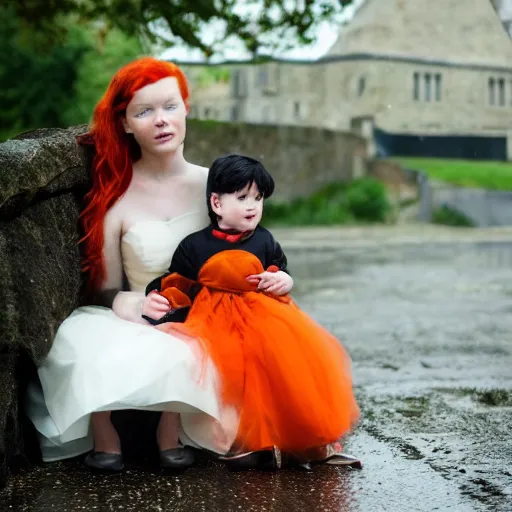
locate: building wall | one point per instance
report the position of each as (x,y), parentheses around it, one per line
(416,97)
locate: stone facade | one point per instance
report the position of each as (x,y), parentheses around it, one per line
(409,66)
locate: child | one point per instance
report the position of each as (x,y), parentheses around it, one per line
(287,378)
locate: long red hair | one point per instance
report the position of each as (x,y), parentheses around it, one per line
(115,151)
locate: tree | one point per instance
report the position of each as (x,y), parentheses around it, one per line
(36,89)
(60,86)
(256,23)
(95,70)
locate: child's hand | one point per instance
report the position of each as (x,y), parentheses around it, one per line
(155,306)
(279,283)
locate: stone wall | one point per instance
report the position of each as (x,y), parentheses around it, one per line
(42,179)
(484,207)
(300,159)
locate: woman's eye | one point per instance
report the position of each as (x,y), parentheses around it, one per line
(259,197)
(241,198)
(170,107)
(142,112)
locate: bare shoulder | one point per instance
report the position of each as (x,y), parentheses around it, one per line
(198,174)
(115,217)
(196,179)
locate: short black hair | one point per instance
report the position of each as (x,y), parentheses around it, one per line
(231,173)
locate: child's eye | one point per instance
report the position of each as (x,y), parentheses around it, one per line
(259,197)
(170,107)
(242,197)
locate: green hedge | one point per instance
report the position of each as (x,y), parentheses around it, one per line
(360,201)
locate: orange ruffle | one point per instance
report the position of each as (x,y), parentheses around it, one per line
(288,378)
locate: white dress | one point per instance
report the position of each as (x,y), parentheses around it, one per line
(100,362)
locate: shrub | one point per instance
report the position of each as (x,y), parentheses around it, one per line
(451,217)
(362,200)
(367,200)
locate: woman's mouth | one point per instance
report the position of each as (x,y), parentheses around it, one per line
(164,137)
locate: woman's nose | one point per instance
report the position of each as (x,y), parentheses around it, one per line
(160,118)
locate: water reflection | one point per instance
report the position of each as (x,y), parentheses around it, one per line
(209,487)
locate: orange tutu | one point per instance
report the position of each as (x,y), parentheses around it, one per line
(287,377)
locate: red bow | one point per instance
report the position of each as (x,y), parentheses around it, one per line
(229,237)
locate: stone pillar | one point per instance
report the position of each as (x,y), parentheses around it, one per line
(425,193)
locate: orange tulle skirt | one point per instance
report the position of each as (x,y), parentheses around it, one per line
(286,376)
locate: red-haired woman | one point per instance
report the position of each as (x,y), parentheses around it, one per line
(144,200)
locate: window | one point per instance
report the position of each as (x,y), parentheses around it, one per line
(239,84)
(497,92)
(234,113)
(296,109)
(416,93)
(492,92)
(262,77)
(428,80)
(361,85)
(427,86)
(501,92)
(438,86)
(268,78)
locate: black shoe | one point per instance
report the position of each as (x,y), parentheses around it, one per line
(266,460)
(108,462)
(177,458)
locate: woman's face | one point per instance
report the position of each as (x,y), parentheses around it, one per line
(156,117)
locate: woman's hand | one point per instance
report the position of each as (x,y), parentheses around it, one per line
(155,306)
(279,283)
(130,306)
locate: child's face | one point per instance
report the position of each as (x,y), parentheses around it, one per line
(241,210)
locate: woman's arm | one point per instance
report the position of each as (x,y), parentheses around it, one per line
(127,305)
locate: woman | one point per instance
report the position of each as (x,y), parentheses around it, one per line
(144,200)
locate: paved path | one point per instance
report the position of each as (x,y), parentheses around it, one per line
(426,315)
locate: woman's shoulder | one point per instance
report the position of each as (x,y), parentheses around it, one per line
(197,173)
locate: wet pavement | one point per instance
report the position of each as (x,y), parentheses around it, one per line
(426,316)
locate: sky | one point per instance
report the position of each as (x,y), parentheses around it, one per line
(325,36)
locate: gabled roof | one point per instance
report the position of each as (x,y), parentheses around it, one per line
(458,31)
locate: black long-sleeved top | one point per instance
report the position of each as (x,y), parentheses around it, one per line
(197,248)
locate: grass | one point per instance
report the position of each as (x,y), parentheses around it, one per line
(465,173)
(359,201)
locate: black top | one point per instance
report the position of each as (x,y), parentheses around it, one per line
(196,249)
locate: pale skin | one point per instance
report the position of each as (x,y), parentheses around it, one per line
(164,186)
(241,211)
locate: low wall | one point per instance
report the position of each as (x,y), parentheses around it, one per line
(301,159)
(483,207)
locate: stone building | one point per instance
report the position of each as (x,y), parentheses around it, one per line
(442,67)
